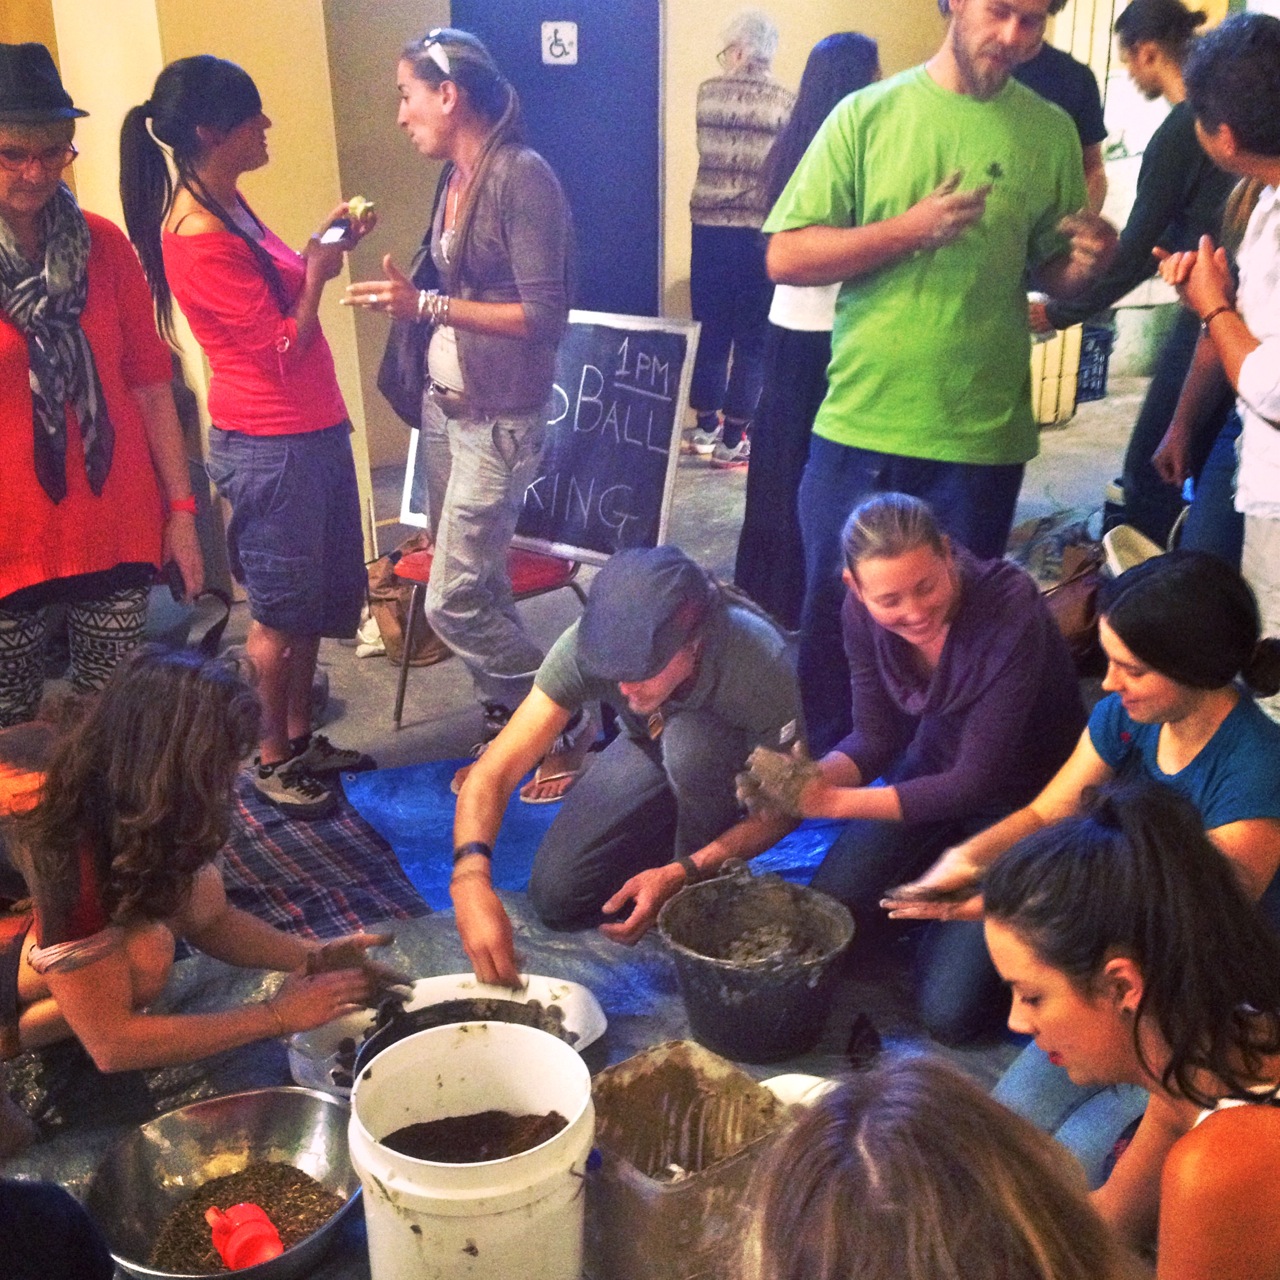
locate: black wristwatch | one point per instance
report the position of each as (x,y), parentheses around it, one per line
(692,872)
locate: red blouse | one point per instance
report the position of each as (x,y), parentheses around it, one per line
(261,381)
(39,539)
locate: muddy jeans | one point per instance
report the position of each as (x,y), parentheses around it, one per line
(475,471)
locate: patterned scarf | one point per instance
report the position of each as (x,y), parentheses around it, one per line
(45,307)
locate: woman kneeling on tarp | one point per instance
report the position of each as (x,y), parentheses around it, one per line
(965,701)
(119,854)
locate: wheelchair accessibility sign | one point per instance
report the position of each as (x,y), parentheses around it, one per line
(560,44)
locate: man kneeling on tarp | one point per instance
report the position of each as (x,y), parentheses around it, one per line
(700,678)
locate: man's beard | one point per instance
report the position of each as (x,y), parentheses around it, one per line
(986,80)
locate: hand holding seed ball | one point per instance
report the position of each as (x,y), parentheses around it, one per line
(352,952)
(776,782)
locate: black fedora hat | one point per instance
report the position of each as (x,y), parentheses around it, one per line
(31,91)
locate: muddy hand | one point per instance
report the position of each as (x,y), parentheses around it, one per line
(352,953)
(776,780)
(946,213)
(1093,239)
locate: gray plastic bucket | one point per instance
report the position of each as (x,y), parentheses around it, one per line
(747,999)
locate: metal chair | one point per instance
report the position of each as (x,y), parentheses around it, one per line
(532,574)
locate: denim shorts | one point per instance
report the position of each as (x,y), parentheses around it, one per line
(295,540)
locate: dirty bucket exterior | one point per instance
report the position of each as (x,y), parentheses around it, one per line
(679,1131)
(493,1220)
(758,1010)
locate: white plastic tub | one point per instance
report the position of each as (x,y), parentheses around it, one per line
(521,1216)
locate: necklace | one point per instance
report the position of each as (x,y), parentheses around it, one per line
(449,232)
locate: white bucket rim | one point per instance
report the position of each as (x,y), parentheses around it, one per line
(571,1121)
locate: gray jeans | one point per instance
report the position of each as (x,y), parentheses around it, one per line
(476,471)
(637,806)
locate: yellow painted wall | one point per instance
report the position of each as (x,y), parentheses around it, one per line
(24,20)
(908,31)
(377,161)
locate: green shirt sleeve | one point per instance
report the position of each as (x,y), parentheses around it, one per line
(563,680)
(1071,193)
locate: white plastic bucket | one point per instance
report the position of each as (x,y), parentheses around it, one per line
(521,1216)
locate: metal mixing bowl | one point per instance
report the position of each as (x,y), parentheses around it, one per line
(154,1168)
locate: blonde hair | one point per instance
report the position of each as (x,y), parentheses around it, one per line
(909,1171)
(889,525)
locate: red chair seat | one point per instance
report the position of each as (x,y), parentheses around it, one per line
(532,572)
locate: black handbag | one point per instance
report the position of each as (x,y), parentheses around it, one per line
(402,374)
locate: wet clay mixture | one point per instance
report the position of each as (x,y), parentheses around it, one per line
(769,942)
(486,1135)
(295,1202)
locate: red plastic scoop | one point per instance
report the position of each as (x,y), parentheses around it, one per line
(244,1235)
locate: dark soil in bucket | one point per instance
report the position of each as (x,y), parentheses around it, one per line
(395,1023)
(295,1202)
(486,1135)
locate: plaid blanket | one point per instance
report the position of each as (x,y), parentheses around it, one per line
(320,877)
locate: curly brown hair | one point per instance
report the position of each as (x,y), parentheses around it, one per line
(145,777)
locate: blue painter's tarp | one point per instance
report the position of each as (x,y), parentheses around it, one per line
(412,809)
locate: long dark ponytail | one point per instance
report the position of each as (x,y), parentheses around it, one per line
(446,53)
(1137,876)
(189,93)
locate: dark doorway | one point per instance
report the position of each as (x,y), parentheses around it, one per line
(596,122)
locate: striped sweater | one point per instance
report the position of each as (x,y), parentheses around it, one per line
(739,116)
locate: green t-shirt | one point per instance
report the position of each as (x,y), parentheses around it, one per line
(931,354)
(746,679)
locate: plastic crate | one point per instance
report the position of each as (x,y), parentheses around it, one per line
(1095,354)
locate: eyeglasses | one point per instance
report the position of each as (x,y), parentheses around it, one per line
(434,50)
(51,159)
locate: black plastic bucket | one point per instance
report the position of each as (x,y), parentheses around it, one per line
(757,960)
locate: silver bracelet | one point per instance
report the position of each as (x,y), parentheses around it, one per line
(422,303)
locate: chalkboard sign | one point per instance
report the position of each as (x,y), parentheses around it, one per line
(609,465)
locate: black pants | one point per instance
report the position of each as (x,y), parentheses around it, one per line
(770,563)
(730,294)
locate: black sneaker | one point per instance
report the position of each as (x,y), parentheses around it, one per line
(496,715)
(320,757)
(293,789)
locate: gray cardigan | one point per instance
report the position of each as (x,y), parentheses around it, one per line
(518,250)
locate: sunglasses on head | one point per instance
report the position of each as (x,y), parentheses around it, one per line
(434,50)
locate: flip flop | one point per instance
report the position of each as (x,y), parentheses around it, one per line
(539,778)
(569,751)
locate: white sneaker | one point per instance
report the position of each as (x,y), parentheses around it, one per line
(704,442)
(725,459)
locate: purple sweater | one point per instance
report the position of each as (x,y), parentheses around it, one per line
(991,725)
